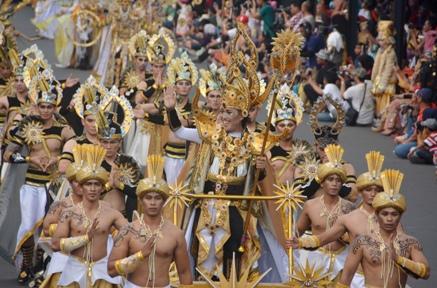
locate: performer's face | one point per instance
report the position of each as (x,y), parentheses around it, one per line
(369,193)
(214,100)
(5,71)
(20,87)
(286,126)
(152,203)
(332,185)
(77,189)
(92,189)
(389,218)
(231,119)
(89,124)
(183,87)
(140,63)
(112,146)
(46,110)
(158,69)
(253,112)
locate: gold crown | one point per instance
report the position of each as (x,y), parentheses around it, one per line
(182,68)
(73,168)
(87,98)
(93,156)
(44,88)
(161,48)
(242,89)
(154,181)
(210,80)
(286,51)
(288,106)
(391,197)
(138,44)
(334,153)
(373,175)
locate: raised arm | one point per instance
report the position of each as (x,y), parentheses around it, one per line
(66,156)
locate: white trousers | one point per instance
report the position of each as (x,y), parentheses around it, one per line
(172,167)
(32,205)
(128,284)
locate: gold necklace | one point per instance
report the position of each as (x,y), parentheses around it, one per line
(370,219)
(87,221)
(332,214)
(387,262)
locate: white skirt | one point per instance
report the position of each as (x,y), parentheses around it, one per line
(172,168)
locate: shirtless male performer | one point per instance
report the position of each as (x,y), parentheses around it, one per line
(321,213)
(83,230)
(144,249)
(44,136)
(386,255)
(360,221)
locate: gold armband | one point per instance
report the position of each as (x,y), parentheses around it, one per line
(340,285)
(27,159)
(52,229)
(73,243)
(121,186)
(128,264)
(309,242)
(416,268)
(108,186)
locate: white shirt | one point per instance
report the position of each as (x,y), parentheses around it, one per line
(356,93)
(333,90)
(334,40)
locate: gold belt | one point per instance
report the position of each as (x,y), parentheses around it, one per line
(233,180)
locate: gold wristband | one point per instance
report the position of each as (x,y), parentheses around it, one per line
(414,267)
(73,243)
(108,186)
(129,264)
(52,229)
(340,285)
(309,242)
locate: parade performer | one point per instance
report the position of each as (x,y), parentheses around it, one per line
(387,256)
(44,136)
(321,213)
(383,72)
(215,227)
(113,121)
(83,230)
(144,250)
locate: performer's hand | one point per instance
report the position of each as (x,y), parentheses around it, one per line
(292,243)
(51,161)
(93,229)
(142,85)
(71,81)
(170,97)
(260,162)
(147,248)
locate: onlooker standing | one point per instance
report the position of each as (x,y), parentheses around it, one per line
(361,99)
(296,16)
(267,15)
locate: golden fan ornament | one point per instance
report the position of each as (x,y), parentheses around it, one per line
(286,51)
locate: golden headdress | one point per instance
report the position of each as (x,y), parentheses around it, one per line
(79,157)
(161,48)
(373,175)
(391,197)
(154,181)
(326,134)
(288,106)
(286,51)
(93,156)
(115,116)
(44,88)
(88,97)
(242,89)
(138,44)
(211,80)
(334,153)
(182,68)
(7,44)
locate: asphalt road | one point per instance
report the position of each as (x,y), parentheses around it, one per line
(419,187)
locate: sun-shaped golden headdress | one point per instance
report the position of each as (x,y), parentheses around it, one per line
(182,68)
(334,153)
(211,80)
(391,197)
(373,176)
(92,156)
(286,51)
(44,88)
(154,181)
(138,44)
(88,97)
(161,48)
(242,88)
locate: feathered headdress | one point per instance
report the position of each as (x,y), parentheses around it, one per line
(182,68)
(373,175)
(138,44)
(211,80)
(88,97)
(161,48)
(92,158)
(154,181)
(79,157)
(391,197)
(334,153)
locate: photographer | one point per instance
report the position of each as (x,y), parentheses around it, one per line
(359,96)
